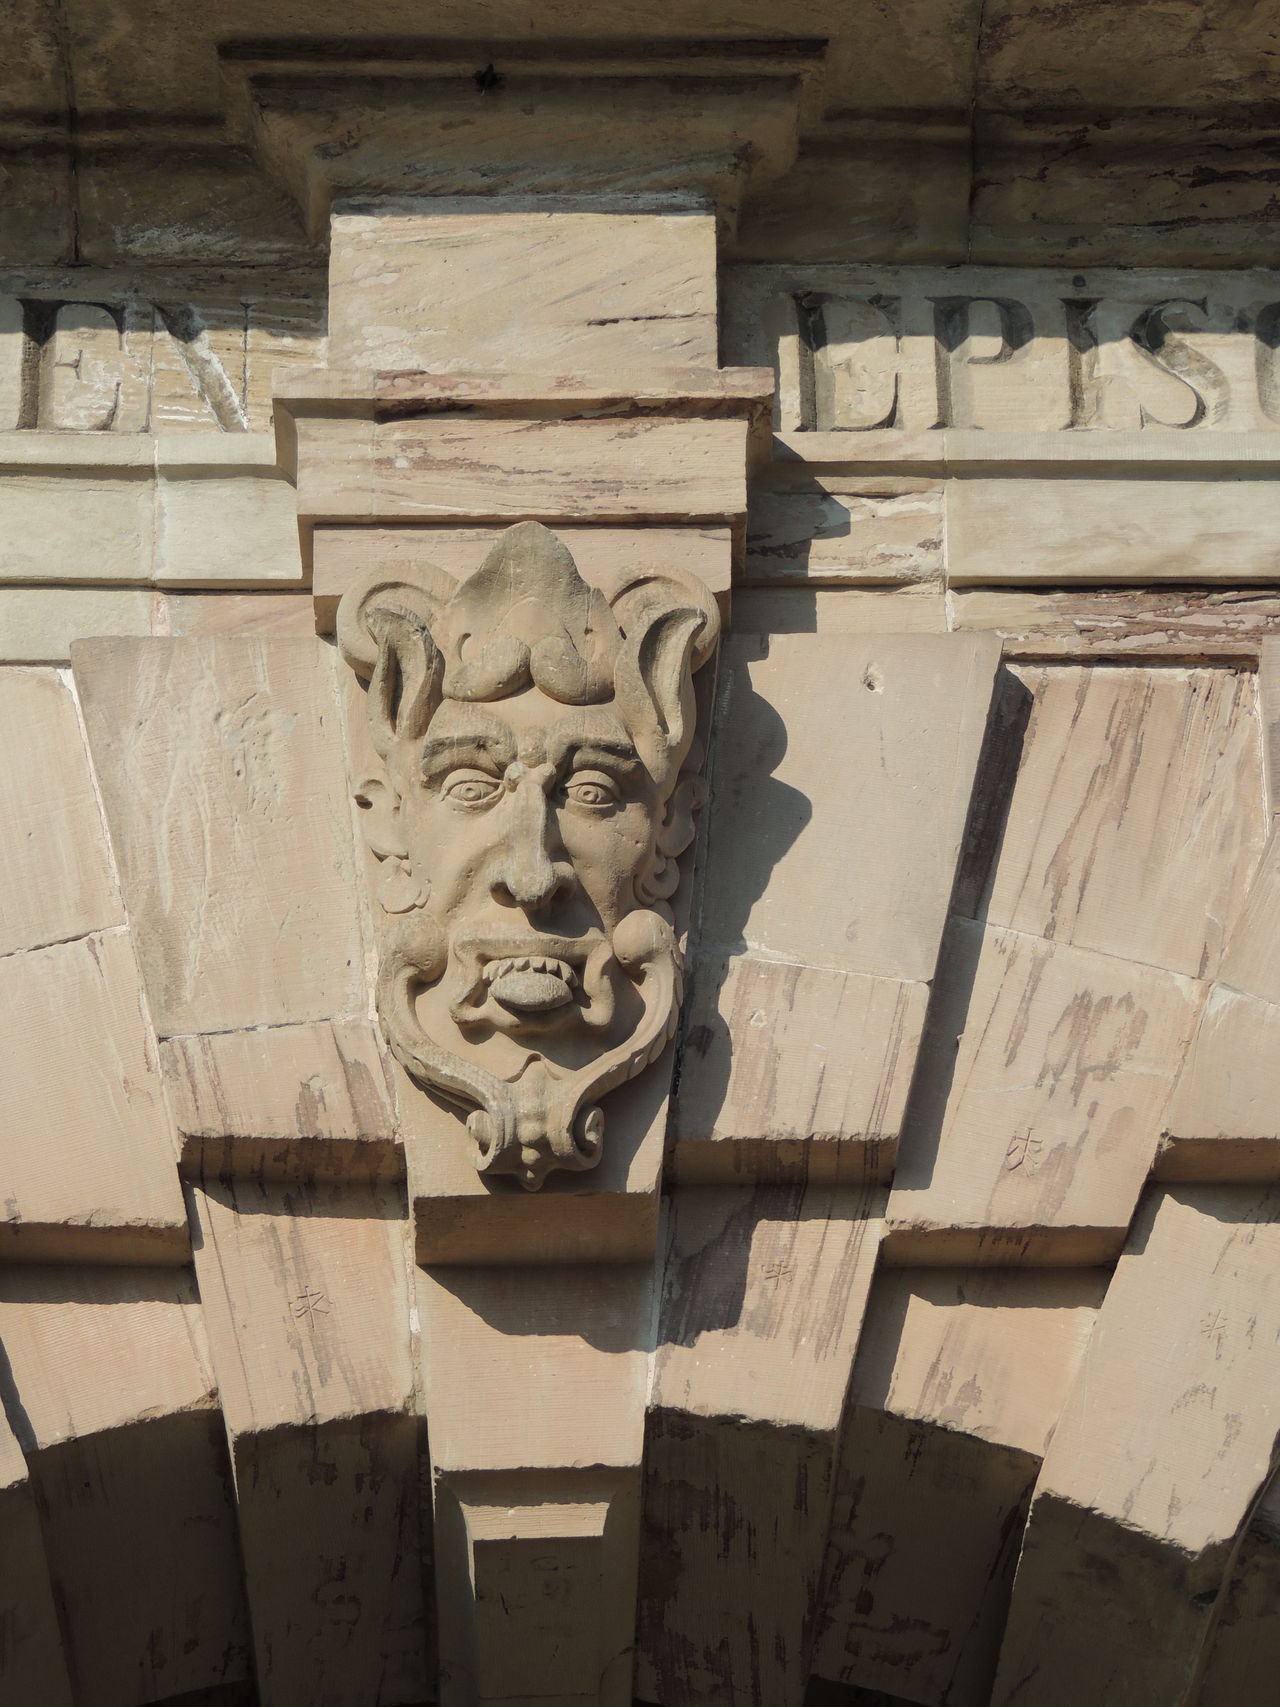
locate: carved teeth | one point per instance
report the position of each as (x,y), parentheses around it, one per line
(495,969)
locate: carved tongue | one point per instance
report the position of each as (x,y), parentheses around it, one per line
(532,990)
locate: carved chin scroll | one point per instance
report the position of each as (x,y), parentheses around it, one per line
(537,783)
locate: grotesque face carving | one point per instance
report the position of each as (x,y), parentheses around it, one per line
(536,795)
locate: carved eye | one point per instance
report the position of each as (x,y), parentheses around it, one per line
(471,788)
(591,790)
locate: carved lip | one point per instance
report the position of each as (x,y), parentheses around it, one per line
(527,971)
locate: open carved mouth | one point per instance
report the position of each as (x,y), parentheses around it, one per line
(532,982)
(529,975)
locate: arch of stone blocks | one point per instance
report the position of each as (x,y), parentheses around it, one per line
(917,1339)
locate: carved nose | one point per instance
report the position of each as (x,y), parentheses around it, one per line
(527,874)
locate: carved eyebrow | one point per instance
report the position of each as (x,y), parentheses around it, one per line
(441,752)
(617,755)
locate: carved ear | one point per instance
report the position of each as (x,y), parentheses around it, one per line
(671,625)
(384,633)
(399,889)
(404,688)
(653,689)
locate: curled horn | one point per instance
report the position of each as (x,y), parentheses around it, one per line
(384,633)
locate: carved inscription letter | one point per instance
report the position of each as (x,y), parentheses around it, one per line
(537,785)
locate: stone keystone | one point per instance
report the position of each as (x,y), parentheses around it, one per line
(538,780)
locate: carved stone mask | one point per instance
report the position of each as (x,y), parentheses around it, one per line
(538,787)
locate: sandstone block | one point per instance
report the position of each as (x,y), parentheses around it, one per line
(38,624)
(225,527)
(1162,1450)
(791,1068)
(429,285)
(1032,1136)
(305,1291)
(763,1301)
(32,1664)
(1055,531)
(111,1377)
(1223,1120)
(904,1612)
(232,613)
(1137,817)
(301,1100)
(221,768)
(88,1164)
(535,1380)
(1249,963)
(623,469)
(1192,625)
(956,1390)
(77,526)
(58,878)
(909,712)
(845,535)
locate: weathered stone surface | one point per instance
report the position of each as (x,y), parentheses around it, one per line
(302,1101)
(763,1301)
(536,1382)
(1033,1137)
(78,525)
(783,844)
(58,878)
(429,285)
(903,1611)
(199,509)
(274,614)
(32,1664)
(1224,1118)
(38,624)
(1244,1648)
(111,1385)
(955,1393)
(1107,193)
(1190,625)
(220,763)
(1048,532)
(791,1069)
(827,610)
(759,1094)
(1137,817)
(1269,699)
(845,533)
(984,1352)
(1162,1449)
(305,1290)
(88,1166)
(506,470)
